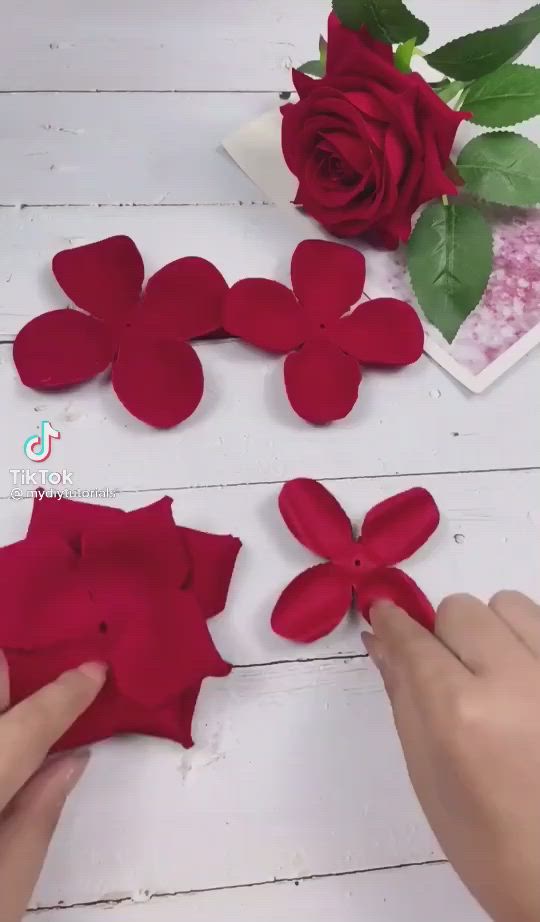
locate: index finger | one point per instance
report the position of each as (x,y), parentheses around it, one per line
(31,728)
(411,652)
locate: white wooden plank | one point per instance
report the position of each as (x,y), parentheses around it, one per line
(118,148)
(256,240)
(298,771)
(188,44)
(415,422)
(413,894)
(488,539)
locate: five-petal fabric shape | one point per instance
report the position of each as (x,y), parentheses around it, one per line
(131,589)
(326,342)
(361,568)
(156,373)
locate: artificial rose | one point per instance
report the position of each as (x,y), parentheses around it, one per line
(368,143)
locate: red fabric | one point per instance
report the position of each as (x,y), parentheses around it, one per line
(143,335)
(361,568)
(367,143)
(128,588)
(322,382)
(208,560)
(212,559)
(60,349)
(312,605)
(322,377)
(158,380)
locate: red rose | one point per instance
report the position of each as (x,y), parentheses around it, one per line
(368,144)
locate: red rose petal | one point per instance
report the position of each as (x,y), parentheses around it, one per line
(43,601)
(114,715)
(153,666)
(160,381)
(104,587)
(56,517)
(381,332)
(327,278)
(394,586)
(212,559)
(313,604)
(396,528)
(184,299)
(348,44)
(265,314)
(111,714)
(60,349)
(139,553)
(291,127)
(103,278)
(315,517)
(322,382)
(303,83)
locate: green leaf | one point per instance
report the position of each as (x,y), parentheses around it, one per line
(403,56)
(450,258)
(387,20)
(314,68)
(475,55)
(502,167)
(323,50)
(507,97)
(449,89)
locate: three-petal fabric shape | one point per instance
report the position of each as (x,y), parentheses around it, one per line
(326,342)
(358,568)
(131,589)
(156,373)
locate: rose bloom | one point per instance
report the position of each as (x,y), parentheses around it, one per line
(367,143)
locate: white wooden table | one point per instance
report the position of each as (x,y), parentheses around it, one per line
(294,805)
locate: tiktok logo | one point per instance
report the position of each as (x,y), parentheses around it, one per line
(39,447)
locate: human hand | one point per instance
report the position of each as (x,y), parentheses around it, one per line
(466,703)
(33,791)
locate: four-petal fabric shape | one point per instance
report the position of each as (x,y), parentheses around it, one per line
(131,589)
(357,568)
(156,373)
(326,342)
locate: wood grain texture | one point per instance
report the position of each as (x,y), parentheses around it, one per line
(119,148)
(488,538)
(280,785)
(186,45)
(415,421)
(407,894)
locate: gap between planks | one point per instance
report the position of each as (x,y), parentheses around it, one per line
(321,478)
(22,206)
(259,883)
(220,92)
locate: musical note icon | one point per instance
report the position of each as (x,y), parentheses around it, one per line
(39,447)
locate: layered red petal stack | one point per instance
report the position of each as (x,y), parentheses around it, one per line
(156,373)
(132,589)
(360,567)
(314,324)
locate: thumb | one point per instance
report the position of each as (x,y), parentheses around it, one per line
(26,829)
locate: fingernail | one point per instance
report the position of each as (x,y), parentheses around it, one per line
(75,768)
(381,606)
(60,774)
(95,671)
